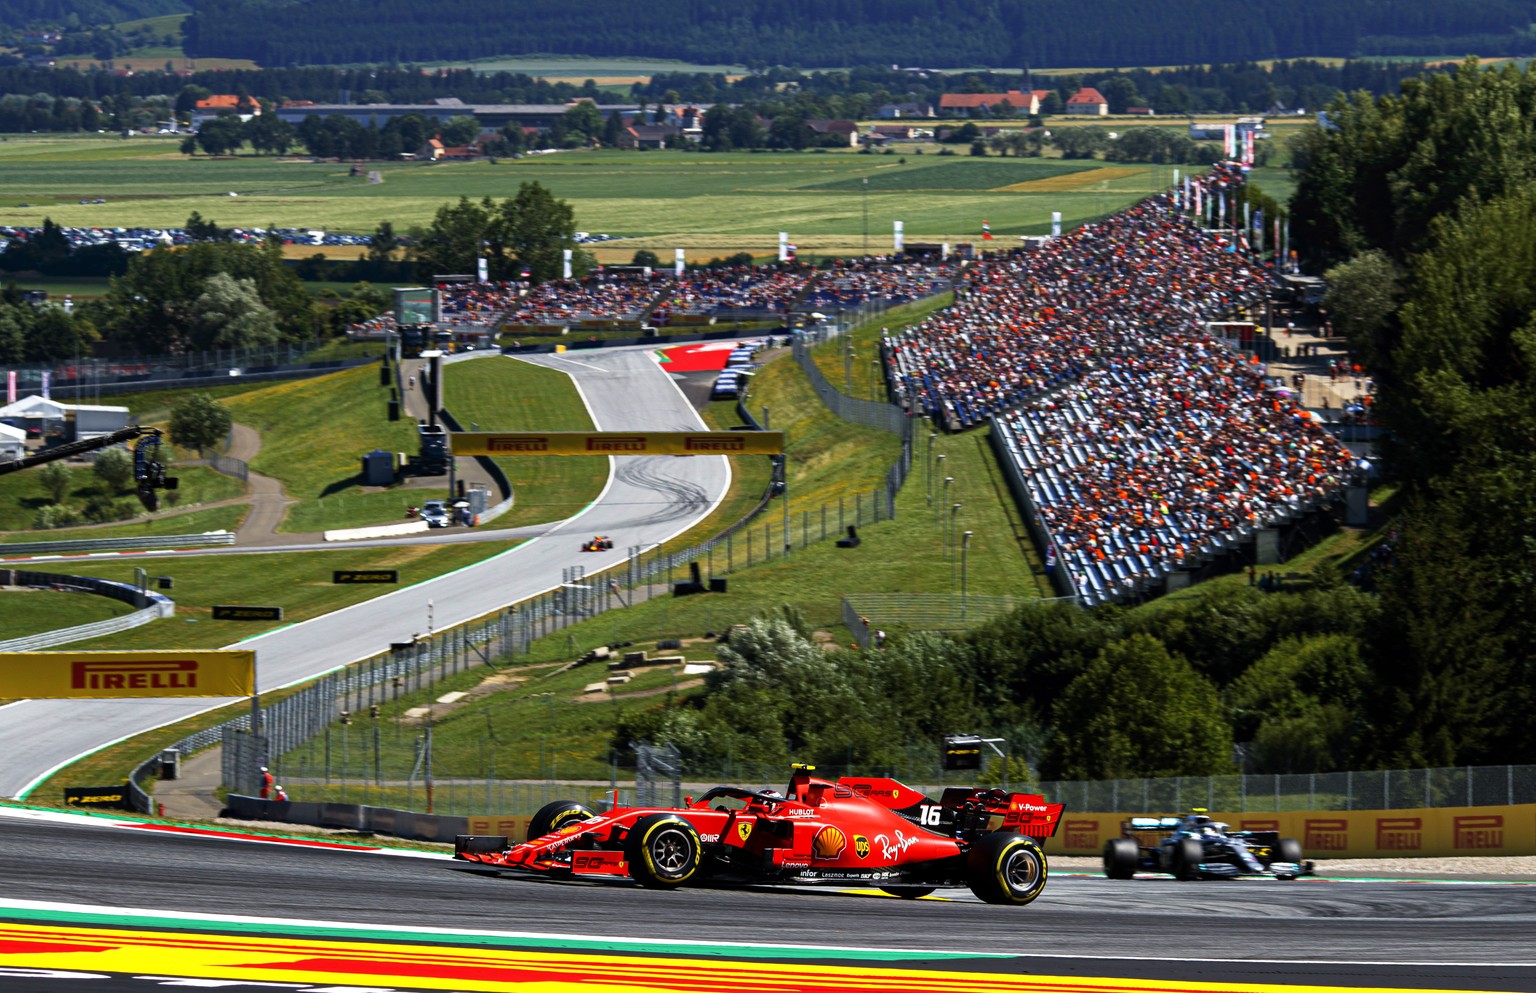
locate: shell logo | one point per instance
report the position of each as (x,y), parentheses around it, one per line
(829,843)
(861,846)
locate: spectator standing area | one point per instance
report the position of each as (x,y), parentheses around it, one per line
(1141,446)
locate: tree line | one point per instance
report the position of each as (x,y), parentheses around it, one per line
(1235,680)
(1419,208)
(851,32)
(217,293)
(68,100)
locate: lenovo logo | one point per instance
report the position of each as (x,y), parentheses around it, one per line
(128,675)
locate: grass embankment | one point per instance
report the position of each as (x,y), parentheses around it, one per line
(22,495)
(314,433)
(30,612)
(299,582)
(502,394)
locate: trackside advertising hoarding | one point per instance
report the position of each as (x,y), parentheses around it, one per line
(126,675)
(618,443)
(1426,831)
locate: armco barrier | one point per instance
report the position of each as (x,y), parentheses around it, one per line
(1435,832)
(374,820)
(117,544)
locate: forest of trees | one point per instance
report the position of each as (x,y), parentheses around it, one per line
(852,32)
(1080,695)
(33,99)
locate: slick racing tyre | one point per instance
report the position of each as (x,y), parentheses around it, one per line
(1007,868)
(664,851)
(553,816)
(908,892)
(1121,858)
(1188,853)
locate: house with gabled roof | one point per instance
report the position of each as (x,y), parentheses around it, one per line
(1088,101)
(985,104)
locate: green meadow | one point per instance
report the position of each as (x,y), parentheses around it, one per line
(729,202)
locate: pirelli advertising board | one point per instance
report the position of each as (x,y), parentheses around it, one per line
(126,675)
(618,443)
(1426,831)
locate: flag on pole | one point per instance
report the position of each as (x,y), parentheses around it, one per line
(678,263)
(1055,224)
(900,240)
(47,384)
(565,269)
(783,246)
(10,387)
(986,231)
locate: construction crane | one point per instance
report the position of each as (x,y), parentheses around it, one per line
(148,472)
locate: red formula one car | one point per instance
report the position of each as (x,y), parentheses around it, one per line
(856,830)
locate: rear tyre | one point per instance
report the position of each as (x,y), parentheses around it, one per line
(664,851)
(553,816)
(1188,853)
(1121,858)
(908,892)
(1007,869)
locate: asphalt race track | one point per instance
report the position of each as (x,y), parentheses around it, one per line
(1142,934)
(648,500)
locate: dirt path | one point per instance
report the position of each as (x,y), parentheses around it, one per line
(269,502)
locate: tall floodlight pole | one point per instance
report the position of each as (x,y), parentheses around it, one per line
(866,215)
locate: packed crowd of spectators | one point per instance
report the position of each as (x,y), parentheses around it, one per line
(774,289)
(603,296)
(480,305)
(892,282)
(1146,444)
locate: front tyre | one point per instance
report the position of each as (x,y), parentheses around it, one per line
(664,851)
(553,816)
(1121,858)
(1188,853)
(1007,869)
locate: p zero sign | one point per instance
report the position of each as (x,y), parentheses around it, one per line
(126,675)
(618,443)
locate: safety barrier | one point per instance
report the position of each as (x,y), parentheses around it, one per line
(152,606)
(1435,832)
(114,544)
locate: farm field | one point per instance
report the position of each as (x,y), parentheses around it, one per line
(716,203)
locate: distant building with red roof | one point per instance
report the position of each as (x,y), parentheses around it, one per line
(1087,101)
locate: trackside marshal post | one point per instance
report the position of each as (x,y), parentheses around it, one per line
(127,675)
(617,443)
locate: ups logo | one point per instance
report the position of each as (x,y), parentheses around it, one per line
(861,846)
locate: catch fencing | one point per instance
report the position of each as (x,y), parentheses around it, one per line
(1385,789)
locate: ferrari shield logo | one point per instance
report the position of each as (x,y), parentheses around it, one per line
(743,829)
(861,846)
